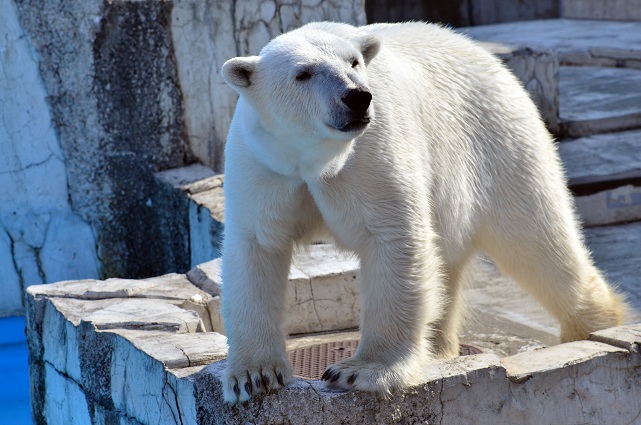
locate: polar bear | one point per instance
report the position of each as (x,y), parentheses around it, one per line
(414,148)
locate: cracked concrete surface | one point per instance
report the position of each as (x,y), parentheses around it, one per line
(162,371)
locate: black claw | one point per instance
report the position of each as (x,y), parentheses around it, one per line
(279,377)
(326,375)
(335,377)
(248,387)
(351,379)
(257,382)
(266,381)
(236,390)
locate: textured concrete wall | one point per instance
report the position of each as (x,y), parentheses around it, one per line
(42,239)
(614,10)
(207,33)
(112,88)
(95,97)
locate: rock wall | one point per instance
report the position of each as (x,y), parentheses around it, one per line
(207,33)
(41,238)
(95,97)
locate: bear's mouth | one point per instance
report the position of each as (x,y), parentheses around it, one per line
(356,125)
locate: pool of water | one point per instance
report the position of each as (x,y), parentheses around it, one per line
(14,373)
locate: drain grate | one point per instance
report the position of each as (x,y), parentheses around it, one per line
(310,362)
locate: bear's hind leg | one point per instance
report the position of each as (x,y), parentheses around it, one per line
(446,329)
(544,252)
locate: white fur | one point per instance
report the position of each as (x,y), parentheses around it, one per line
(455,160)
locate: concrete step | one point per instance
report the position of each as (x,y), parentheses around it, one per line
(577,42)
(604,174)
(596,100)
(537,48)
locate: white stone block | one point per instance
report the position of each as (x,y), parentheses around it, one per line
(65,401)
(150,314)
(59,339)
(176,351)
(180,395)
(207,276)
(322,291)
(327,298)
(142,388)
(626,337)
(523,366)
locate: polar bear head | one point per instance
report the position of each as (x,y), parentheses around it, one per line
(307,90)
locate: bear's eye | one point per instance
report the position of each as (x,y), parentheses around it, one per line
(303,76)
(354,63)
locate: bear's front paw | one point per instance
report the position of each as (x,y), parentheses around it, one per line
(362,375)
(242,382)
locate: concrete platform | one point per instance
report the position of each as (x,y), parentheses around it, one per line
(146,351)
(577,42)
(598,100)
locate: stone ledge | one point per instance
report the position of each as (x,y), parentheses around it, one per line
(204,210)
(604,173)
(90,366)
(596,100)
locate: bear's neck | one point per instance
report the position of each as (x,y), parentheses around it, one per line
(292,155)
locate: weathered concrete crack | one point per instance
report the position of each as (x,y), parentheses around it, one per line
(64,374)
(311,290)
(176,401)
(186,356)
(636,419)
(21,280)
(578,396)
(320,401)
(26,167)
(440,400)
(41,271)
(234,27)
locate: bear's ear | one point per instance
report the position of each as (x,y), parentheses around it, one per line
(369,46)
(239,72)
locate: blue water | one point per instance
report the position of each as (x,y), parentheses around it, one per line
(14,373)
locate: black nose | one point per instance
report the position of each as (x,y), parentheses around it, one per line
(358,100)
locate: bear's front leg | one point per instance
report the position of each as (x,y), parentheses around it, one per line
(401,296)
(253,298)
